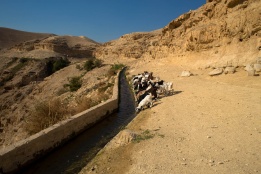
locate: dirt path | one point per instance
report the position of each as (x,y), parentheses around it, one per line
(211,125)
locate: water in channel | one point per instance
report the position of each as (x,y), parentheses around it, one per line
(74,155)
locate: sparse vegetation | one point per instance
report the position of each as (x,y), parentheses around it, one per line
(84,103)
(45,114)
(74,83)
(114,69)
(24,59)
(56,64)
(22,63)
(61,91)
(18,67)
(104,87)
(102,97)
(145,135)
(48,113)
(91,64)
(161,135)
(117,67)
(59,64)
(13,60)
(78,67)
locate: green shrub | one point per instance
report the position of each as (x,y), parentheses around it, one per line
(88,66)
(97,63)
(114,69)
(117,67)
(59,64)
(56,64)
(74,83)
(91,64)
(23,60)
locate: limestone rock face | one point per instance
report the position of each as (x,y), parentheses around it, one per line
(219,31)
(133,45)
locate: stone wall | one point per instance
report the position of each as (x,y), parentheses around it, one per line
(24,152)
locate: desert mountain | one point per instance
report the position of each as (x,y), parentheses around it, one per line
(220,32)
(34,45)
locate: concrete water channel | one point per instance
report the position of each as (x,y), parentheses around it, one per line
(74,155)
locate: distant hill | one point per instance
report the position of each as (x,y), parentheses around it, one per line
(15,43)
(10,37)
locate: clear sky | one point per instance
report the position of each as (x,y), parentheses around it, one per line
(100,20)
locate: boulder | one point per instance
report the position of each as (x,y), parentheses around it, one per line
(251,72)
(257,67)
(186,74)
(216,71)
(230,70)
(249,67)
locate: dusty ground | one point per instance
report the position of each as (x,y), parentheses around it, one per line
(210,125)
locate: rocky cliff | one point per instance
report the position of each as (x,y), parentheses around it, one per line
(220,32)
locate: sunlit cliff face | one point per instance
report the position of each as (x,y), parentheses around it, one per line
(218,28)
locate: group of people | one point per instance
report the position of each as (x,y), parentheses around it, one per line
(147,89)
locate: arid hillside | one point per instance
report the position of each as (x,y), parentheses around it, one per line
(39,68)
(10,37)
(69,46)
(219,33)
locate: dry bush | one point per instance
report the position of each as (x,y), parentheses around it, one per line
(104,87)
(46,114)
(102,97)
(61,91)
(84,103)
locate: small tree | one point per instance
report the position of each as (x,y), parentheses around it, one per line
(88,66)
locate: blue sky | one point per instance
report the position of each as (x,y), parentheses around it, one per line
(100,20)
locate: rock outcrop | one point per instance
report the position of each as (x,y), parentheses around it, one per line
(219,32)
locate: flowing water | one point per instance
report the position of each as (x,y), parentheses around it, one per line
(74,155)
